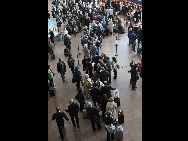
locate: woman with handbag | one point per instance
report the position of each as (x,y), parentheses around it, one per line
(110,127)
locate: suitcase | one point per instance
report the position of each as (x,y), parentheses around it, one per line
(52,91)
(119,133)
(84,113)
(115,93)
(120,116)
(66,52)
(138,50)
(117,100)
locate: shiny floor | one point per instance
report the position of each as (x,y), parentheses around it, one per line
(131,100)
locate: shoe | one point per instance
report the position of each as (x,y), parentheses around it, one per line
(78,127)
(99,127)
(133,89)
(74,125)
(94,129)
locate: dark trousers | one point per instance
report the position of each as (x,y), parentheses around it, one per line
(115,73)
(63,76)
(78,85)
(93,124)
(51,82)
(108,136)
(109,77)
(60,131)
(77,120)
(133,84)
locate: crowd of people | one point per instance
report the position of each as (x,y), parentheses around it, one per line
(91,18)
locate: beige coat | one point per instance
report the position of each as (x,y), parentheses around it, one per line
(112,107)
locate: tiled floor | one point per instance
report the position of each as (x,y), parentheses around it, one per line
(131,100)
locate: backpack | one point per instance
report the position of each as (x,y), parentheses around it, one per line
(117,66)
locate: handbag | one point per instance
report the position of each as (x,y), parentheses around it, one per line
(111,129)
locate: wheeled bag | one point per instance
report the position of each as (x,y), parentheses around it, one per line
(117,100)
(84,113)
(120,116)
(119,133)
(52,91)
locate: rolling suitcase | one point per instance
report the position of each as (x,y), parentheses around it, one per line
(119,133)
(84,113)
(120,116)
(52,91)
(117,100)
(115,93)
(138,50)
(66,52)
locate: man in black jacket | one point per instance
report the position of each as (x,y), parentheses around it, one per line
(73,110)
(61,68)
(59,117)
(108,68)
(103,76)
(134,76)
(93,116)
(95,93)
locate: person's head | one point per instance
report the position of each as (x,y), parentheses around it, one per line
(60,60)
(94,84)
(98,80)
(114,59)
(71,101)
(111,99)
(86,76)
(70,55)
(80,90)
(98,65)
(49,67)
(57,109)
(107,58)
(102,68)
(89,104)
(109,113)
(77,67)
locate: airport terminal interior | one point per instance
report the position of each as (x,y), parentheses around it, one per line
(130,100)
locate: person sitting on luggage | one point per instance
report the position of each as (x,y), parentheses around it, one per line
(59,117)
(93,116)
(109,121)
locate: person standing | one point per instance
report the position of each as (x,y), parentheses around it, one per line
(134,77)
(61,68)
(104,102)
(95,93)
(109,120)
(108,68)
(59,117)
(93,116)
(77,77)
(114,67)
(50,76)
(73,110)
(111,105)
(51,36)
